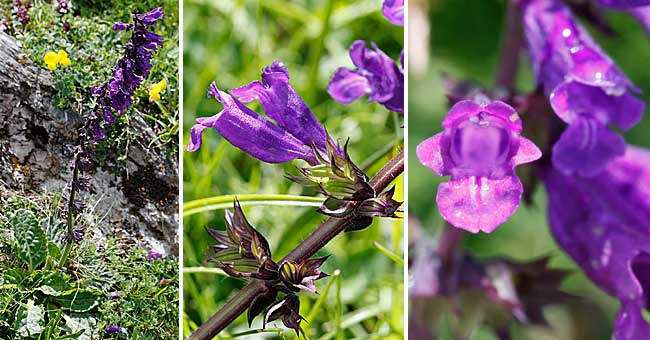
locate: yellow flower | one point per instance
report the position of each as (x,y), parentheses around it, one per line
(63,58)
(155,89)
(53,59)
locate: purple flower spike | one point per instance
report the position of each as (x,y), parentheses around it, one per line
(376,75)
(603,223)
(115,95)
(587,91)
(479,147)
(393,11)
(297,131)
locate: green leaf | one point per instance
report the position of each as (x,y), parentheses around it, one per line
(54,284)
(82,325)
(53,250)
(78,300)
(30,319)
(30,239)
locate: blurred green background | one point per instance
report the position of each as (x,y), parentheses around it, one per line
(230,42)
(464,41)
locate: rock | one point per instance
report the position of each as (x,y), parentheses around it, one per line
(36,145)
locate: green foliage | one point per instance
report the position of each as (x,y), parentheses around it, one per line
(31,245)
(230,42)
(39,301)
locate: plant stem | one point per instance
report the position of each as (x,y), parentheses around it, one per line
(306,249)
(71,198)
(511,49)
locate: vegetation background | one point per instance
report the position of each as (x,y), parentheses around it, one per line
(230,42)
(465,42)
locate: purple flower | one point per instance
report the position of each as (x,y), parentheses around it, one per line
(4,25)
(622,4)
(479,147)
(603,223)
(296,134)
(114,329)
(393,11)
(63,6)
(114,295)
(115,96)
(376,75)
(152,255)
(587,91)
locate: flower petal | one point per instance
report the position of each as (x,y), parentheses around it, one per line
(586,147)
(196,133)
(430,155)
(284,105)
(527,152)
(459,110)
(506,112)
(347,86)
(571,100)
(393,11)
(252,133)
(478,203)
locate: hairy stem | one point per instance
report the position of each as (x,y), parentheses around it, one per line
(511,49)
(71,217)
(306,249)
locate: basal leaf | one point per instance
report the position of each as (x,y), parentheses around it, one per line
(31,245)
(54,284)
(29,319)
(82,325)
(78,300)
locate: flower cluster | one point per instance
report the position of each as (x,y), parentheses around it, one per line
(63,6)
(52,60)
(241,251)
(376,75)
(20,10)
(115,95)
